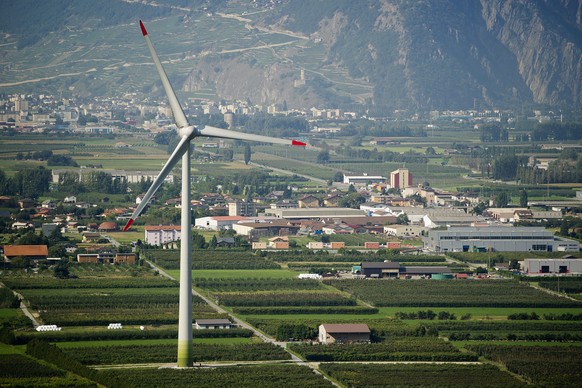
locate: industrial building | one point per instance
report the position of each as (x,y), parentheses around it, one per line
(363,179)
(497,238)
(563,266)
(389,269)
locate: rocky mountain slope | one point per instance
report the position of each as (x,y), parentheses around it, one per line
(381,54)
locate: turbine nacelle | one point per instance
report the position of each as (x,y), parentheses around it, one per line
(190,132)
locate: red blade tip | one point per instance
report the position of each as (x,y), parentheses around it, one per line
(143,30)
(298,143)
(128,225)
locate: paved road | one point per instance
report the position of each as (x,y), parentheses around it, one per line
(24,308)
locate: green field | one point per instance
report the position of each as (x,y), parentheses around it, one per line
(238,273)
(137,342)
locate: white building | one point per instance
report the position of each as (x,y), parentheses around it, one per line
(497,238)
(163,234)
(219,222)
(552,266)
(403,230)
(363,179)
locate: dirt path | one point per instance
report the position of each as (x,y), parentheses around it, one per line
(24,308)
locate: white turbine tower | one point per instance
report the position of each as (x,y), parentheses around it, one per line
(187,132)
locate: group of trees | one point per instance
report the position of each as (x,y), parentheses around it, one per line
(566,169)
(32,182)
(51,159)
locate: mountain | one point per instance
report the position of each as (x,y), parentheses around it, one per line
(381,54)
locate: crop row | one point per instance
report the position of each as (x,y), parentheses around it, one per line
(489,325)
(540,365)
(454,293)
(125,334)
(274,310)
(134,354)
(253,284)
(85,283)
(399,349)
(300,298)
(515,336)
(419,375)
(132,316)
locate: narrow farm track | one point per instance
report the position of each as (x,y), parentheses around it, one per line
(24,308)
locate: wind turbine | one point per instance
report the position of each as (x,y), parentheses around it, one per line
(187,132)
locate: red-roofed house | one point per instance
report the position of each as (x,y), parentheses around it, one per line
(34,252)
(108,226)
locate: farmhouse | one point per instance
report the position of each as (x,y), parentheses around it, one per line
(309,201)
(279,242)
(344,333)
(91,236)
(222,323)
(33,252)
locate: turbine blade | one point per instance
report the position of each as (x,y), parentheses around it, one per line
(228,134)
(179,116)
(176,155)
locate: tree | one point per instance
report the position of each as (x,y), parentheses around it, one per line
(338,177)
(564,227)
(61,269)
(247,153)
(213,242)
(402,219)
(523,198)
(479,208)
(323,157)
(32,182)
(502,199)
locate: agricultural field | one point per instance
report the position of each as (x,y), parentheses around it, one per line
(251,376)
(166,353)
(420,375)
(396,349)
(212,259)
(539,365)
(455,293)
(91,302)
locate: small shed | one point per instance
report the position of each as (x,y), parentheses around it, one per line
(221,323)
(344,333)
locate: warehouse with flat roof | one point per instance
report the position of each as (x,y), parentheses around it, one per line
(497,238)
